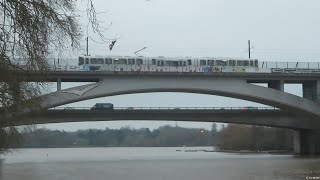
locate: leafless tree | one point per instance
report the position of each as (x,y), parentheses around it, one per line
(30,30)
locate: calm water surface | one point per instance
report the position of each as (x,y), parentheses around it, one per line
(153,164)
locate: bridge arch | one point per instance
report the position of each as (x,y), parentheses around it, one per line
(234,88)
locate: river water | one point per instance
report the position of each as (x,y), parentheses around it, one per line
(153,164)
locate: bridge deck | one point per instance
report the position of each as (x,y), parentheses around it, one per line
(95,76)
(264,117)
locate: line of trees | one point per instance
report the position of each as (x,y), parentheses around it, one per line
(232,137)
(255,138)
(163,136)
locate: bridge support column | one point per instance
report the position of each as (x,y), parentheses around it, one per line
(311,90)
(306,142)
(59,85)
(276,84)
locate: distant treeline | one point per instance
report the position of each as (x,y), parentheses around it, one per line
(255,138)
(232,137)
(161,137)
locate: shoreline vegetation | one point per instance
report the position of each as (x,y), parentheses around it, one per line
(197,149)
(232,138)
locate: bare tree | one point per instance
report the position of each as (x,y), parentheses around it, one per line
(30,30)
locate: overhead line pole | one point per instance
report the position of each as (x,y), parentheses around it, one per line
(87,45)
(249,48)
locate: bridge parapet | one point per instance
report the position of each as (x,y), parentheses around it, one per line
(171,108)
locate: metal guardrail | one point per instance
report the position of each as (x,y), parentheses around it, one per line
(294,65)
(171,108)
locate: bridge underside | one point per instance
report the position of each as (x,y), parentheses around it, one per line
(307,107)
(274,118)
(239,89)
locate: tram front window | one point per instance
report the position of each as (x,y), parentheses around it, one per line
(81,61)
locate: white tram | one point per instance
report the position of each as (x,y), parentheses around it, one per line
(166,64)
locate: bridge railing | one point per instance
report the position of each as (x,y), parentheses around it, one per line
(170,108)
(293,65)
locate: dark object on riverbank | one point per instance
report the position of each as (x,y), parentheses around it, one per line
(191,150)
(254,152)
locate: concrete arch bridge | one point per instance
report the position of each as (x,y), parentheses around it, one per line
(306,140)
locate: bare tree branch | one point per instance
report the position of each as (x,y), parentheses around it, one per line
(31,31)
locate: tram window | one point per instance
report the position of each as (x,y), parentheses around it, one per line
(93,61)
(203,62)
(99,60)
(158,63)
(168,63)
(240,63)
(232,62)
(81,61)
(96,60)
(184,63)
(189,62)
(180,63)
(115,61)
(108,61)
(175,63)
(131,61)
(256,63)
(224,63)
(246,63)
(210,62)
(251,62)
(218,63)
(123,61)
(153,61)
(162,63)
(87,60)
(139,61)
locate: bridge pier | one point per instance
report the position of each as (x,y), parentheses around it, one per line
(306,142)
(276,84)
(59,84)
(311,90)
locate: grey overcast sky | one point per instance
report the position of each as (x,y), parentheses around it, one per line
(280,30)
